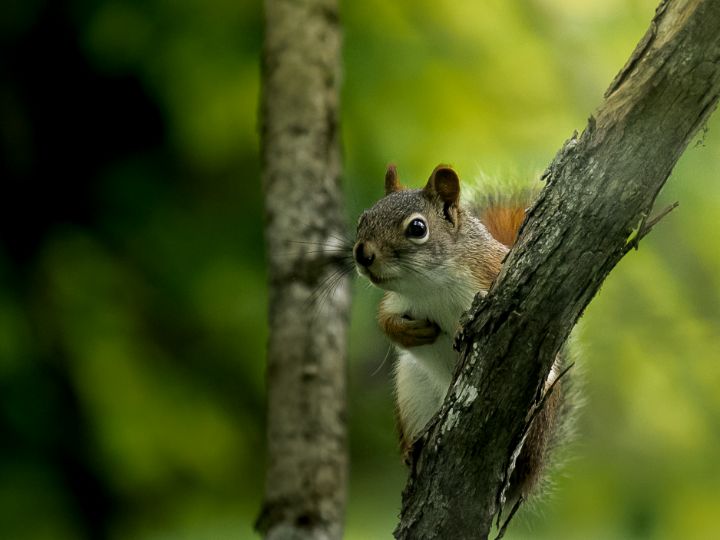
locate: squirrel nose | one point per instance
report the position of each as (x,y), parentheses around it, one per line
(363,255)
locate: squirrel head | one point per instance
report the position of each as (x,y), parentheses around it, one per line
(410,236)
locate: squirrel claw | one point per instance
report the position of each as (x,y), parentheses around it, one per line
(408,332)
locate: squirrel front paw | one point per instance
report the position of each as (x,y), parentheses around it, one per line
(408,332)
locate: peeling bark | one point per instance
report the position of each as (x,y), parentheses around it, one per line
(600,190)
(306,435)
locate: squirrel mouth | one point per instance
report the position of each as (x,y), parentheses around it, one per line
(376,280)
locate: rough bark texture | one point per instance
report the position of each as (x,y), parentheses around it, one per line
(307,458)
(600,189)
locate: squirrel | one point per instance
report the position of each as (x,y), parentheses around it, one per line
(431,255)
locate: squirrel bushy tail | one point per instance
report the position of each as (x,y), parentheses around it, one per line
(502,206)
(501,202)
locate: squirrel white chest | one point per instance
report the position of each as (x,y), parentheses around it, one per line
(442,301)
(423,374)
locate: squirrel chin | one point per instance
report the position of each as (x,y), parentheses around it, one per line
(375,280)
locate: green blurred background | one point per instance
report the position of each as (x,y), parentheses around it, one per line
(132,284)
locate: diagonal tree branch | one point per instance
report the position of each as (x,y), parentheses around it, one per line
(600,187)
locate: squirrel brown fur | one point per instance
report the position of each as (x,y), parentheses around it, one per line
(432,255)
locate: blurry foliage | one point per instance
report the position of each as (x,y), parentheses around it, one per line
(132,286)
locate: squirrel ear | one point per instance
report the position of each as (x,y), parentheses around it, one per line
(445,185)
(392,184)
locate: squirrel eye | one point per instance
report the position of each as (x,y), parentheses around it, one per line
(416,229)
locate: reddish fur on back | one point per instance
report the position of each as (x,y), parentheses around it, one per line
(503,222)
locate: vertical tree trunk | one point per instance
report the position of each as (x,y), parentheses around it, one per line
(307,457)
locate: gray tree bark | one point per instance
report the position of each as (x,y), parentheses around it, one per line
(600,189)
(306,436)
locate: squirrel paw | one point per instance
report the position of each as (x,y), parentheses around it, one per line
(408,332)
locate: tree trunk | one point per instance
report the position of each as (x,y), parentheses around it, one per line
(307,456)
(600,190)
